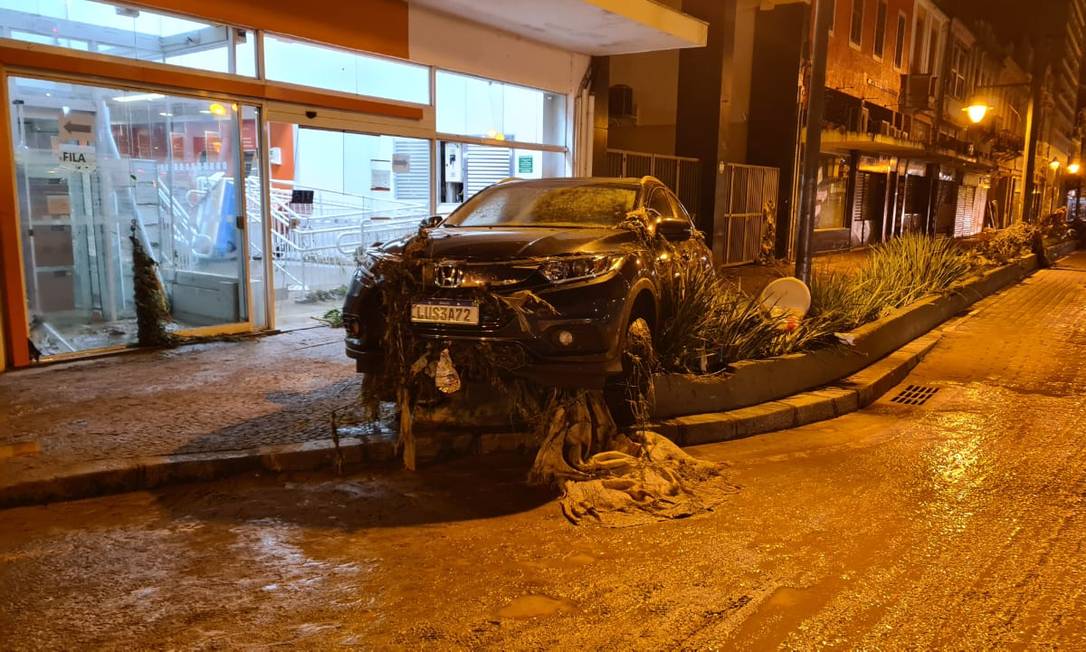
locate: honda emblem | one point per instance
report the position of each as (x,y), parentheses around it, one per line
(448,275)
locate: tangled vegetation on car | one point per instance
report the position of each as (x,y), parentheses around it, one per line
(604,473)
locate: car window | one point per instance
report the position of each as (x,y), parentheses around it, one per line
(660,202)
(681,209)
(560,204)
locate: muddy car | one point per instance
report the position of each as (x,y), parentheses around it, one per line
(587,249)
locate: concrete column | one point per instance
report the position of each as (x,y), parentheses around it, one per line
(700,118)
(601,84)
(773,138)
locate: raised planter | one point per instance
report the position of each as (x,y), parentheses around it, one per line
(760,381)
(1057,250)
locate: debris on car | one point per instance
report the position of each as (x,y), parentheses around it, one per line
(548,291)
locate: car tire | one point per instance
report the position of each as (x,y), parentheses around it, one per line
(619,390)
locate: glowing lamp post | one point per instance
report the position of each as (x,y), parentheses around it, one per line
(976,112)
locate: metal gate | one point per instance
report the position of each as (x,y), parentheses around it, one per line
(737,231)
(680,173)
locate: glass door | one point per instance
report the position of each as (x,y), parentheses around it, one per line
(332,192)
(102,170)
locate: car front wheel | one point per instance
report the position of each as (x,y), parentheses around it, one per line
(629,395)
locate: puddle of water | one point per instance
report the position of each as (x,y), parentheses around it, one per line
(779,614)
(19,448)
(581,559)
(786,598)
(534,606)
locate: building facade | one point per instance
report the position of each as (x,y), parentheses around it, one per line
(250,153)
(900,148)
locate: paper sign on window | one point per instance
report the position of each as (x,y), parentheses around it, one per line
(79,158)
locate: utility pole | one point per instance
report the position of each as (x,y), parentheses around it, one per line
(931,221)
(816,104)
(1033,133)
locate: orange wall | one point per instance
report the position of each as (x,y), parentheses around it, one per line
(848,69)
(371,25)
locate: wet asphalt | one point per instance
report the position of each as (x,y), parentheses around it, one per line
(956,524)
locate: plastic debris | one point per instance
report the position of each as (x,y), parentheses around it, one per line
(446,378)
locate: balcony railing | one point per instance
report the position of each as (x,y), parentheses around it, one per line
(851,115)
(957,145)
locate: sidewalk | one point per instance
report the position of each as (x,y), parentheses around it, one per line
(204,398)
(126,413)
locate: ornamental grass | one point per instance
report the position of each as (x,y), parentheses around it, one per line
(710,324)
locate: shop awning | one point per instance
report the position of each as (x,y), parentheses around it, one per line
(838,142)
(596,27)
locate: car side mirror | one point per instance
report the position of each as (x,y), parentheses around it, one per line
(432,221)
(674,229)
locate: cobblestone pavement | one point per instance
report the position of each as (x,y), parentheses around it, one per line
(208,397)
(956,524)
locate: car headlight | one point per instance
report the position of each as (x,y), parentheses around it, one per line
(563,270)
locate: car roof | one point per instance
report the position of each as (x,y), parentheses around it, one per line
(573,182)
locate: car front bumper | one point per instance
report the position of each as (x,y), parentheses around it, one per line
(592,314)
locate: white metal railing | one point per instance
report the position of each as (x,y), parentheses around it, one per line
(310,238)
(680,173)
(312,243)
(749,192)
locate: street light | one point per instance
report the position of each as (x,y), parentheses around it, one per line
(977,111)
(1074,167)
(1054,165)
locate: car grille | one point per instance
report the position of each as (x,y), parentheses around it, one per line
(459,274)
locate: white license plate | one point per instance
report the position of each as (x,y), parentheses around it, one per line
(442,313)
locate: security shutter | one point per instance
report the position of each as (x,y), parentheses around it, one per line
(964,212)
(415,183)
(485,166)
(859,198)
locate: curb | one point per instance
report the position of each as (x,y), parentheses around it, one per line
(847,395)
(142,473)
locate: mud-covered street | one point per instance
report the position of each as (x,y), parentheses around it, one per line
(956,524)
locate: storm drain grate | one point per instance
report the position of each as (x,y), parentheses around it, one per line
(915,395)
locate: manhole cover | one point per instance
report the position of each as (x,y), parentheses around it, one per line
(915,395)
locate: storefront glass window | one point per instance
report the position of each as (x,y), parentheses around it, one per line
(97,167)
(332,192)
(832,191)
(482,108)
(467,168)
(298,62)
(128,32)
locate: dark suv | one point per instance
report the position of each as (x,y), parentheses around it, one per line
(587,247)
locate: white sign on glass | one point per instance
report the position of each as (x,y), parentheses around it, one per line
(77,157)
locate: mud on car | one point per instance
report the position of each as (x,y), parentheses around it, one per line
(587,250)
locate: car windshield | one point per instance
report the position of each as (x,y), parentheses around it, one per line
(590,204)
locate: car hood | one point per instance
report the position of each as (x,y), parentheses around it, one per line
(485,244)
